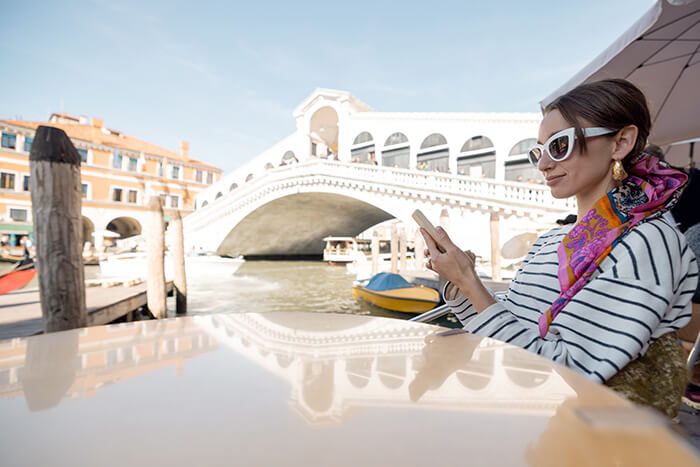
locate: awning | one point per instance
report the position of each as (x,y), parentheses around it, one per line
(16,228)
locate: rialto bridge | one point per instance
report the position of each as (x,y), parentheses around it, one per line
(289,210)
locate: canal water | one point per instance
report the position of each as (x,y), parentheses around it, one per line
(260,286)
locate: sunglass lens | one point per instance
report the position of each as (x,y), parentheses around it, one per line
(559,147)
(534,155)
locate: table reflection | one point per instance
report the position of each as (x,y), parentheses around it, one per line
(48,368)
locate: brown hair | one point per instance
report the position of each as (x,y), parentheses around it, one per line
(610,103)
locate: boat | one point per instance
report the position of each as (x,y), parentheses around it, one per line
(393,292)
(361,267)
(21,275)
(344,250)
(11,255)
(131,264)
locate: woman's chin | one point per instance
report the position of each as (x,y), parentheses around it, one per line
(560,192)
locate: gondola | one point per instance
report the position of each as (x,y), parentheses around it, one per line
(21,275)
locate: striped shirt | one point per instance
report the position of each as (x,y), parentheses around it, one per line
(641,291)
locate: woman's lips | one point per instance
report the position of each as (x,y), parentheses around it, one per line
(553,179)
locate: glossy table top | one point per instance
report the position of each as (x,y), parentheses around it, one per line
(308,389)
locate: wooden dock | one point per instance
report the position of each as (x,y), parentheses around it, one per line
(20,311)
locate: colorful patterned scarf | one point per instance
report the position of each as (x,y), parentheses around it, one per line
(651,188)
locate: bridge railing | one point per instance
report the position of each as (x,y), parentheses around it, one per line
(522,195)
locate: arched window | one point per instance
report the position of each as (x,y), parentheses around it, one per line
(434,155)
(436,139)
(396,151)
(363,137)
(362,149)
(477,158)
(522,147)
(233,186)
(289,158)
(205,203)
(218,195)
(269,166)
(476,143)
(518,168)
(249,177)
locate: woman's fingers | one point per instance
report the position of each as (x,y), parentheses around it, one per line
(430,243)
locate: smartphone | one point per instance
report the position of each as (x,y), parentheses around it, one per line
(423,221)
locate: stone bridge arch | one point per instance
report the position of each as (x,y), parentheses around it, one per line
(295,225)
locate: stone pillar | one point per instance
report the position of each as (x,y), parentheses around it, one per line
(402,250)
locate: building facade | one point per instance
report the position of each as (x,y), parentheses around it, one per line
(119,175)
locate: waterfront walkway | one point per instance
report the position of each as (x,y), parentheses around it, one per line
(20,311)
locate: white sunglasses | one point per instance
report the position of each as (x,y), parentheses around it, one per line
(560,145)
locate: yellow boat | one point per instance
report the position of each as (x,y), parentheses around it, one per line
(393,292)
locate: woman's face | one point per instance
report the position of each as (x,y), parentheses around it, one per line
(581,174)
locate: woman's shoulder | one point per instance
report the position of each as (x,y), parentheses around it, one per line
(655,233)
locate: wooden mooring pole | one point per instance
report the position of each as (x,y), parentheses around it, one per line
(403,249)
(178,255)
(56,210)
(375,252)
(155,251)
(394,249)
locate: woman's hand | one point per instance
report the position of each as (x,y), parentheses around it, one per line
(455,265)
(458,267)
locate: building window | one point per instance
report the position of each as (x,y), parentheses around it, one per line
(9,140)
(117,160)
(85,188)
(160,169)
(175,172)
(133,164)
(117,195)
(198,176)
(210,178)
(7,181)
(83,155)
(132,196)
(28,144)
(163,199)
(18,214)
(174,201)
(25,183)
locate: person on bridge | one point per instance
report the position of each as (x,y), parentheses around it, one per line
(603,296)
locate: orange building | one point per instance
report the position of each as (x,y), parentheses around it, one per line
(119,174)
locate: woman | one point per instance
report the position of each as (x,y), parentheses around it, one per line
(597,295)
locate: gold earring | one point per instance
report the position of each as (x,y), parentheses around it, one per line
(619,172)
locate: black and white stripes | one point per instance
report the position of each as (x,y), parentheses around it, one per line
(641,291)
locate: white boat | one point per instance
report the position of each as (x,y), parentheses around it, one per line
(343,250)
(134,265)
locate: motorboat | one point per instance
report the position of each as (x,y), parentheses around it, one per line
(344,250)
(134,264)
(393,292)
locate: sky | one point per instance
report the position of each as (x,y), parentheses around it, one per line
(226,75)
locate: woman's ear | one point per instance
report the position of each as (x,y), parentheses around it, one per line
(625,139)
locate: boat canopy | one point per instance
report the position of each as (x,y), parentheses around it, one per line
(387,281)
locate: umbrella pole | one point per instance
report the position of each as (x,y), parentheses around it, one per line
(691,165)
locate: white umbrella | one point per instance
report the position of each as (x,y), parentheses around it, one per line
(660,53)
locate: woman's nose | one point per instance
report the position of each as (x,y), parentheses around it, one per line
(545,162)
